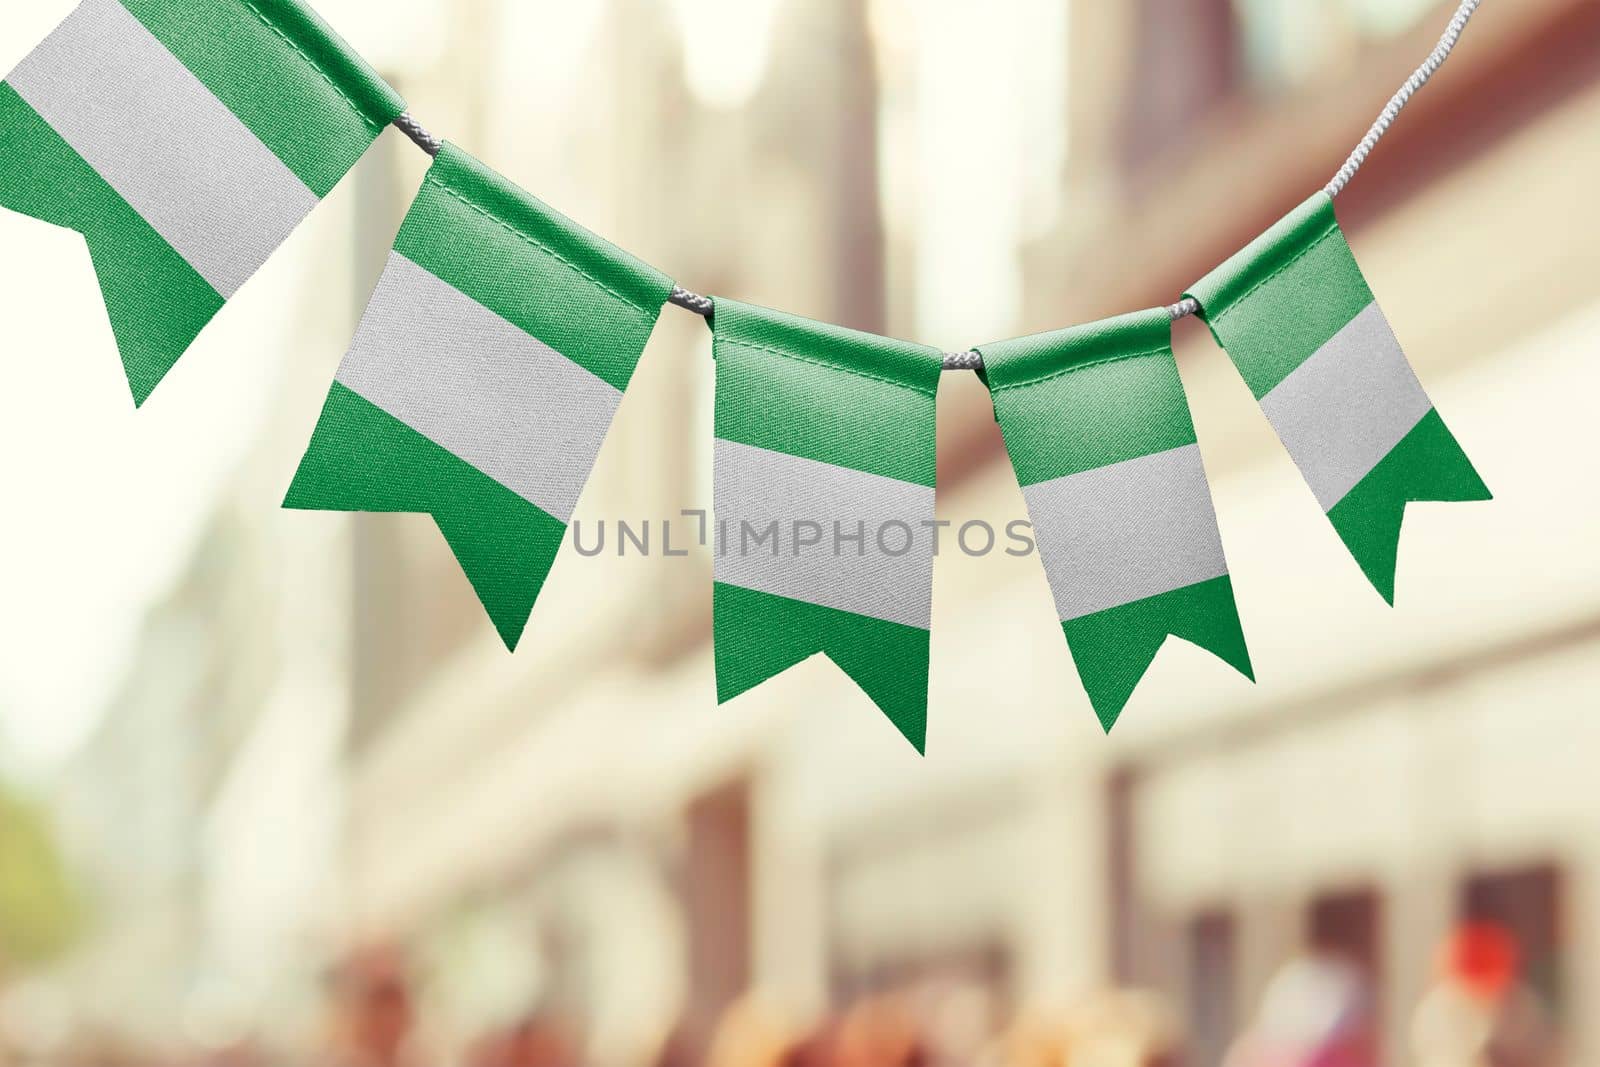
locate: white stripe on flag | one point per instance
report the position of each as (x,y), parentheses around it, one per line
(1345,408)
(757,486)
(1126,532)
(480,387)
(159,137)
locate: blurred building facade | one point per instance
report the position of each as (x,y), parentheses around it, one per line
(354,760)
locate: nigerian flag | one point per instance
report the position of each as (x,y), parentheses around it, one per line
(483,378)
(1098,430)
(1295,314)
(184,139)
(824,477)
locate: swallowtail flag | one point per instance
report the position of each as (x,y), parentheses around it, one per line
(1098,429)
(184,139)
(483,379)
(1296,316)
(824,479)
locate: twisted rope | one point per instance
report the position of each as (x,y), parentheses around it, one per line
(418,134)
(700,305)
(963,361)
(968,360)
(972,360)
(1397,103)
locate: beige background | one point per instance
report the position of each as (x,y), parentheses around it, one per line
(263,740)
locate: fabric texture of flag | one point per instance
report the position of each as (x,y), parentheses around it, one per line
(185,139)
(483,379)
(1098,429)
(824,484)
(1295,314)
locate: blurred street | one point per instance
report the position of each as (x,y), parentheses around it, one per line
(273,793)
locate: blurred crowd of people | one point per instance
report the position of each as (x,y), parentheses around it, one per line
(1319,1011)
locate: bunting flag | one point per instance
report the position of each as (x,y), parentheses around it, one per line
(483,379)
(1296,316)
(185,139)
(824,480)
(1098,429)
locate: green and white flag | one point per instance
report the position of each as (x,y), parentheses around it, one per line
(1296,316)
(824,473)
(1098,429)
(184,139)
(483,379)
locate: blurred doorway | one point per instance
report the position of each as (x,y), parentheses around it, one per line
(1349,926)
(1526,903)
(1213,980)
(716,895)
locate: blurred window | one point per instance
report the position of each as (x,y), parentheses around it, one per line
(716,888)
(1186,63)
(1288,41)
(1212,981)
(1349,925)
(726,44)
(1526,903)
(1122,875)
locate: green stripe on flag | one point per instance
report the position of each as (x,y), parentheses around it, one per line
(1112,649)
(289,77)
(1297,285)
(867,389)
(1298,319)
(759,636)
(156,301)
(827,426)
(1427,465)
(1139,409)
(1098,429)
(579,294)
(363,459)
(454,400)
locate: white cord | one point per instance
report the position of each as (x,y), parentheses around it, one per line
(1397,103)
(703,306)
